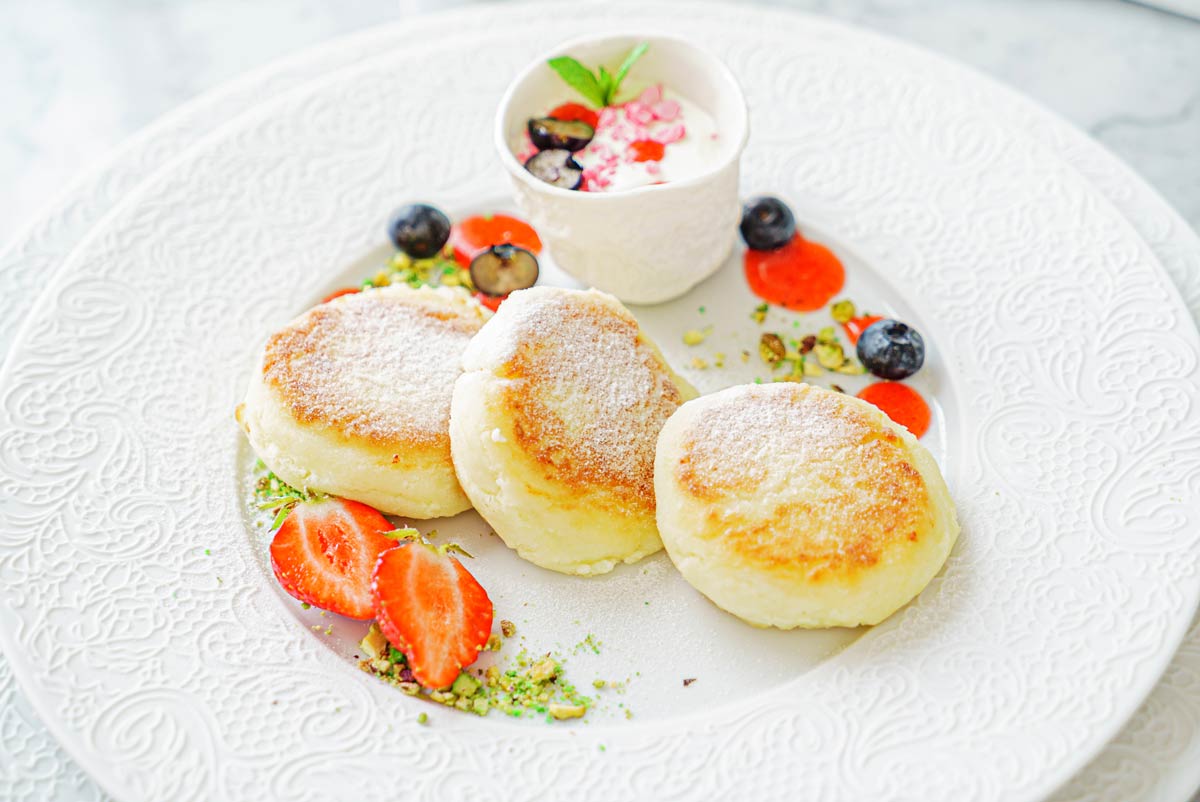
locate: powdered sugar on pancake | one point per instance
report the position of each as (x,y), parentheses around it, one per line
(378,366)
(587,392)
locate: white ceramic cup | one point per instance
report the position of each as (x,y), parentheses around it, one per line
(648,244)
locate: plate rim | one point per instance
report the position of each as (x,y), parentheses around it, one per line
(384,32)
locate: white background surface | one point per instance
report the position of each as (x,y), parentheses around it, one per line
(78,77)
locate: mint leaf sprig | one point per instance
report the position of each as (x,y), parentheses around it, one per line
(599,88)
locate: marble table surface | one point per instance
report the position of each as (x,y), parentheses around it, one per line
(80,76)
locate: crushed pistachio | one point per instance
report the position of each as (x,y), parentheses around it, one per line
(590,643)
(598,683)
(508,628)
(808,343)
(843,310)
(696,336)
(465,685)
(423,718)
(830,356)
(829,353)
(759,315)
(771,348)
(543,670)
(437,270)
(719,359)
(403,533)
(561,711)
(699,364)
(277,496)
(494,643)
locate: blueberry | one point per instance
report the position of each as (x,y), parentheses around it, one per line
(556,167)
(419,230)
(767,223)
(502,269)
(548,133)
(891,349)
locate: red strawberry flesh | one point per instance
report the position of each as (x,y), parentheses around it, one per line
(431,608)
(324,553)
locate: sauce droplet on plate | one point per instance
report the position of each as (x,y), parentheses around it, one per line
(855,326)
(340,293)
(901,403)
(474,235)
(490,301)
(802,276)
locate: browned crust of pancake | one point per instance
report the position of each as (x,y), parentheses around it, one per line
(875,500)
(615,452)
(398,337)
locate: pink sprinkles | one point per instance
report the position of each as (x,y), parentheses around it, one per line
(649,117)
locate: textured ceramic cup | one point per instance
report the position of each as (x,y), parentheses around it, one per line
(648,244)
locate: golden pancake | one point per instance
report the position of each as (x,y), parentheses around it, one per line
(553,427)
(353,398)
(793,506)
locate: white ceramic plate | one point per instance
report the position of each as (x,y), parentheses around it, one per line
(861,649)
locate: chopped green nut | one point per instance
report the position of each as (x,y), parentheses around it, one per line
(423,718)
(830,356)
(373,644)
(465,685)
(493,643)
(508,628)
(771,348)
(843,310)
(543,670)
(403,533)
(759,315)
(598,683)
(695,336)
(305,606)
(560,711)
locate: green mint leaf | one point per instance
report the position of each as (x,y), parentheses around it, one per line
(579,78)
(638,51)
(607,85)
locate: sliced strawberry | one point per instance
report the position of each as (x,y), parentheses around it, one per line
(575,111)
(490,301)
(324,552)
(432,609)
(647,150)
(474,235)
